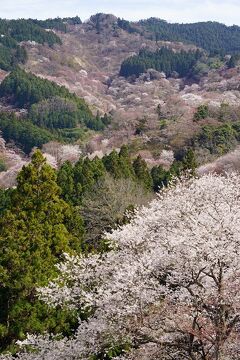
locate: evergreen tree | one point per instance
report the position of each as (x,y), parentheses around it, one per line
(112,165)
(125,163)
(142,172)
(65,179)
(160,177)
(33,235)
(189,162)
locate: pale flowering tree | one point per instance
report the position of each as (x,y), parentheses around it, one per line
(169,288)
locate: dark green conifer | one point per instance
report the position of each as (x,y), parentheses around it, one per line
(142,172)
(33,235)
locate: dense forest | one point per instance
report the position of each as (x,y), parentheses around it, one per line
(13,32)
(52,111)
(163,59)
(23,132)
(211,36)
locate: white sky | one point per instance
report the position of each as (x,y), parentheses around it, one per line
(227,12)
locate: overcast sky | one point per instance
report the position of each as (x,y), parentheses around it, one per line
(225,11)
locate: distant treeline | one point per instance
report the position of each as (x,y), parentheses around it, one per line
(211,36)
(58,23)
(164,59)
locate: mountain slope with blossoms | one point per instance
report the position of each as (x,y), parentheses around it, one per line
(168,288)
(88,63)
(154,113)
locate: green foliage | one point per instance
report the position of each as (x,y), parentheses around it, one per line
(23,30)
(201,113)
(5,200)
(27,89)
(141,126)
(127,26)
(163,59)
(112,164)
(98,123)
(50,106)
(34,232)
(218,140)
(23,132)
(142,172)
(55,112)
(3,166)
(200,69)
(160,177)
(185,165)
(58,23)
(9,57)
(212,36)
(12,33)
(76,180)
(233,61)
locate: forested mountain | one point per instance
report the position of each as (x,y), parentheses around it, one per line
(58,23)
(94,264)
(12,32)
(212,36)
(52,111)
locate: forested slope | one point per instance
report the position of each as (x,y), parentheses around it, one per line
(211,36)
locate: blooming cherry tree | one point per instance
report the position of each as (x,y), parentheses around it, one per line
(169,288)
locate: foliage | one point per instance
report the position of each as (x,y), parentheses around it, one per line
(50,105)
(142,173)
(169,285)
(127,26)
(27,89)
(163,59)
(23,132)
(83,179)
(99,122)
(212,36)
(55,112)
(12,33)
(5,200)
(34,232)
(3,166)
(186,165)
(58,23)
(9,57)
(233,61)
(201,113)
(76,180)
(220,139)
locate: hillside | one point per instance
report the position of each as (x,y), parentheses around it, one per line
(211,36)
(119,190)
(154,112)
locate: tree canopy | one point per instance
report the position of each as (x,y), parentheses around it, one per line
(211,36)
(168,287)
(164,59)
